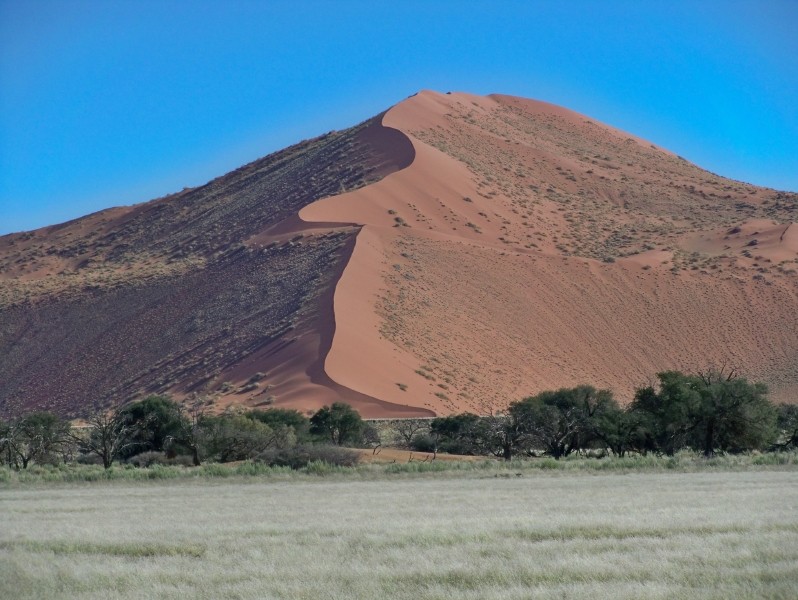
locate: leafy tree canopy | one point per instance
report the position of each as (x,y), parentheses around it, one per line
(339,423)
(710,411)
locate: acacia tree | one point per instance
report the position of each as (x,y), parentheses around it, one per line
(36,437)
(339,423)
(458,434)
(787,425)
(733,415)
(155,419)
(189,431)
(5,443)
(407,429)
(107,435)
(553,427)
(234,436)
(282,417)
(506,434)
(666,413)
(712,410)
(622,431)
(564,420)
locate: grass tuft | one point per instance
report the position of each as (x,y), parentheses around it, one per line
(131,550)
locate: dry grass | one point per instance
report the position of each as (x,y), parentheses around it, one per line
(471,535)
(398,456)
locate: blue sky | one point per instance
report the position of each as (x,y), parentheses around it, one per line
(108,103)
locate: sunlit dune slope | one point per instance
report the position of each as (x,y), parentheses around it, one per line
(528,247)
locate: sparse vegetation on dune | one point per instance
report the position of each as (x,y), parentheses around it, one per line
(598,252)
(175,294)
(469,535)
(515,247)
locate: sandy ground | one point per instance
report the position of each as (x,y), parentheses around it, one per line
(395,455)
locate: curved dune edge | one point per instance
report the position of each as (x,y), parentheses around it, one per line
(436,294)
(294,363)
(295,366)
(297,372)
(360,358)
(424,195)
(353,360)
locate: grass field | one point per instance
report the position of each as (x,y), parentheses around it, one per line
(470,534)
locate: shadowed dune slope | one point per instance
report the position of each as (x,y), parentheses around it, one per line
(455,253)
(218,291)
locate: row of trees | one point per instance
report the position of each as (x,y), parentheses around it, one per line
(709,412)
(159,425)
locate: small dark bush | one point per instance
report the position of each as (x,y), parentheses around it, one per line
(147,459)
(423,442)
(88,459)
(300,456)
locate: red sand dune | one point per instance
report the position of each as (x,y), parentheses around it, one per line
(490,248)
(463,314)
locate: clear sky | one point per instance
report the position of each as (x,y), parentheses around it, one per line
(106,103)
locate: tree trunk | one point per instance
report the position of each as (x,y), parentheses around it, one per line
(507,451)
(709,441)
(195,456)
(670,448)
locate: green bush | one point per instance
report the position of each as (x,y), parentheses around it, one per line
(423,442)
(154,421)
(233,437)
(339,424)
(276,417)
